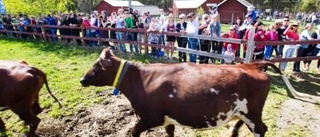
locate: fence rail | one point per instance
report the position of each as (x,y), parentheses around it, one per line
(250,42)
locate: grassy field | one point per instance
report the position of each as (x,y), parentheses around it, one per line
(64,66)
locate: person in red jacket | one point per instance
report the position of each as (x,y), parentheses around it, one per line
(259,36)
(231,34)
(232,46)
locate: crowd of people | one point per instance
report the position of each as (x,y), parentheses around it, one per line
(207,24)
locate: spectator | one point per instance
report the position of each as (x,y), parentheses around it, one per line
(301,49)
(112,20)
(204,46)
(162,20)
(86,24)
(104,34)
(229,52)
(259,36)
(316,35)
(291,34)
(52,20)
(281,36)
(231,34)
(169,26)
(272,35)
(135,19)
(182,41)
(215,31)
(120,24)
(192,28)
(129,35)
(153,38)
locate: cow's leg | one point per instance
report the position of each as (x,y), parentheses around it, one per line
(36,108)
(145,124)
(255,124)
(2,126)
(235,129)
(27,115)
(170,130)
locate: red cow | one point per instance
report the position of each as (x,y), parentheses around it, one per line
(186,94)
(19,91)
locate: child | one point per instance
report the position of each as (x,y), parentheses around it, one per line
(272,35)
(229,52)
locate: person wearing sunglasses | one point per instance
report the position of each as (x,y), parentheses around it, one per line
(291,34)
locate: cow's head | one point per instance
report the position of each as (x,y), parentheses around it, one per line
(103,71)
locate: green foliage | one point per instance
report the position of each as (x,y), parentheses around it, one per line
(308,5)
(37,7)
(200,11)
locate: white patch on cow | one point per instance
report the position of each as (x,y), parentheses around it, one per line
(171,96)
(241,105)
(249,123)
(235,94)
(221,122)
(168,121)
(174,91)
(102,55)
(227,101)
(212,90)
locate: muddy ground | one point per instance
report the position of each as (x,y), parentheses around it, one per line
(114,117)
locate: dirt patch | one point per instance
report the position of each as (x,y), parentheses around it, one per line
(297,113)
(112,118)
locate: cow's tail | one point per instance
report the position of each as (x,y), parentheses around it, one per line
(47,86)
(42,74)
(262,65)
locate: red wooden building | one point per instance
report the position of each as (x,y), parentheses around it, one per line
(114,5)
(229,9)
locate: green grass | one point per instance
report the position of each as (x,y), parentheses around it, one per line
(64,66)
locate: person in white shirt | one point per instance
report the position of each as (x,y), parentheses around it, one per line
(192,28)
(161,21)
(302,50)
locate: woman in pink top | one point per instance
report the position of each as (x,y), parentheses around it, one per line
(288,51)
(272,35)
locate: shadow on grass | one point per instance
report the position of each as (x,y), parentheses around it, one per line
(308,85)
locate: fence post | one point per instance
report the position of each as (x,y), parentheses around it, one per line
(145,40)
(250,46)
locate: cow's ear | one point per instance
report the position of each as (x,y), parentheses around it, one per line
(106,62)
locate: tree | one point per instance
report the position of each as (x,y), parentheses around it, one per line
(37,7)
(308,6)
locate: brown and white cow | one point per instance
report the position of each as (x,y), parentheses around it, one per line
(19,91)
(186,94)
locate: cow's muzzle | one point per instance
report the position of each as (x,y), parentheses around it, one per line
(84,82)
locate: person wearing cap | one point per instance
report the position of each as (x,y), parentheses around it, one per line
(252,13)
(182,41)
(231,34)
(288,50)
(193,29)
